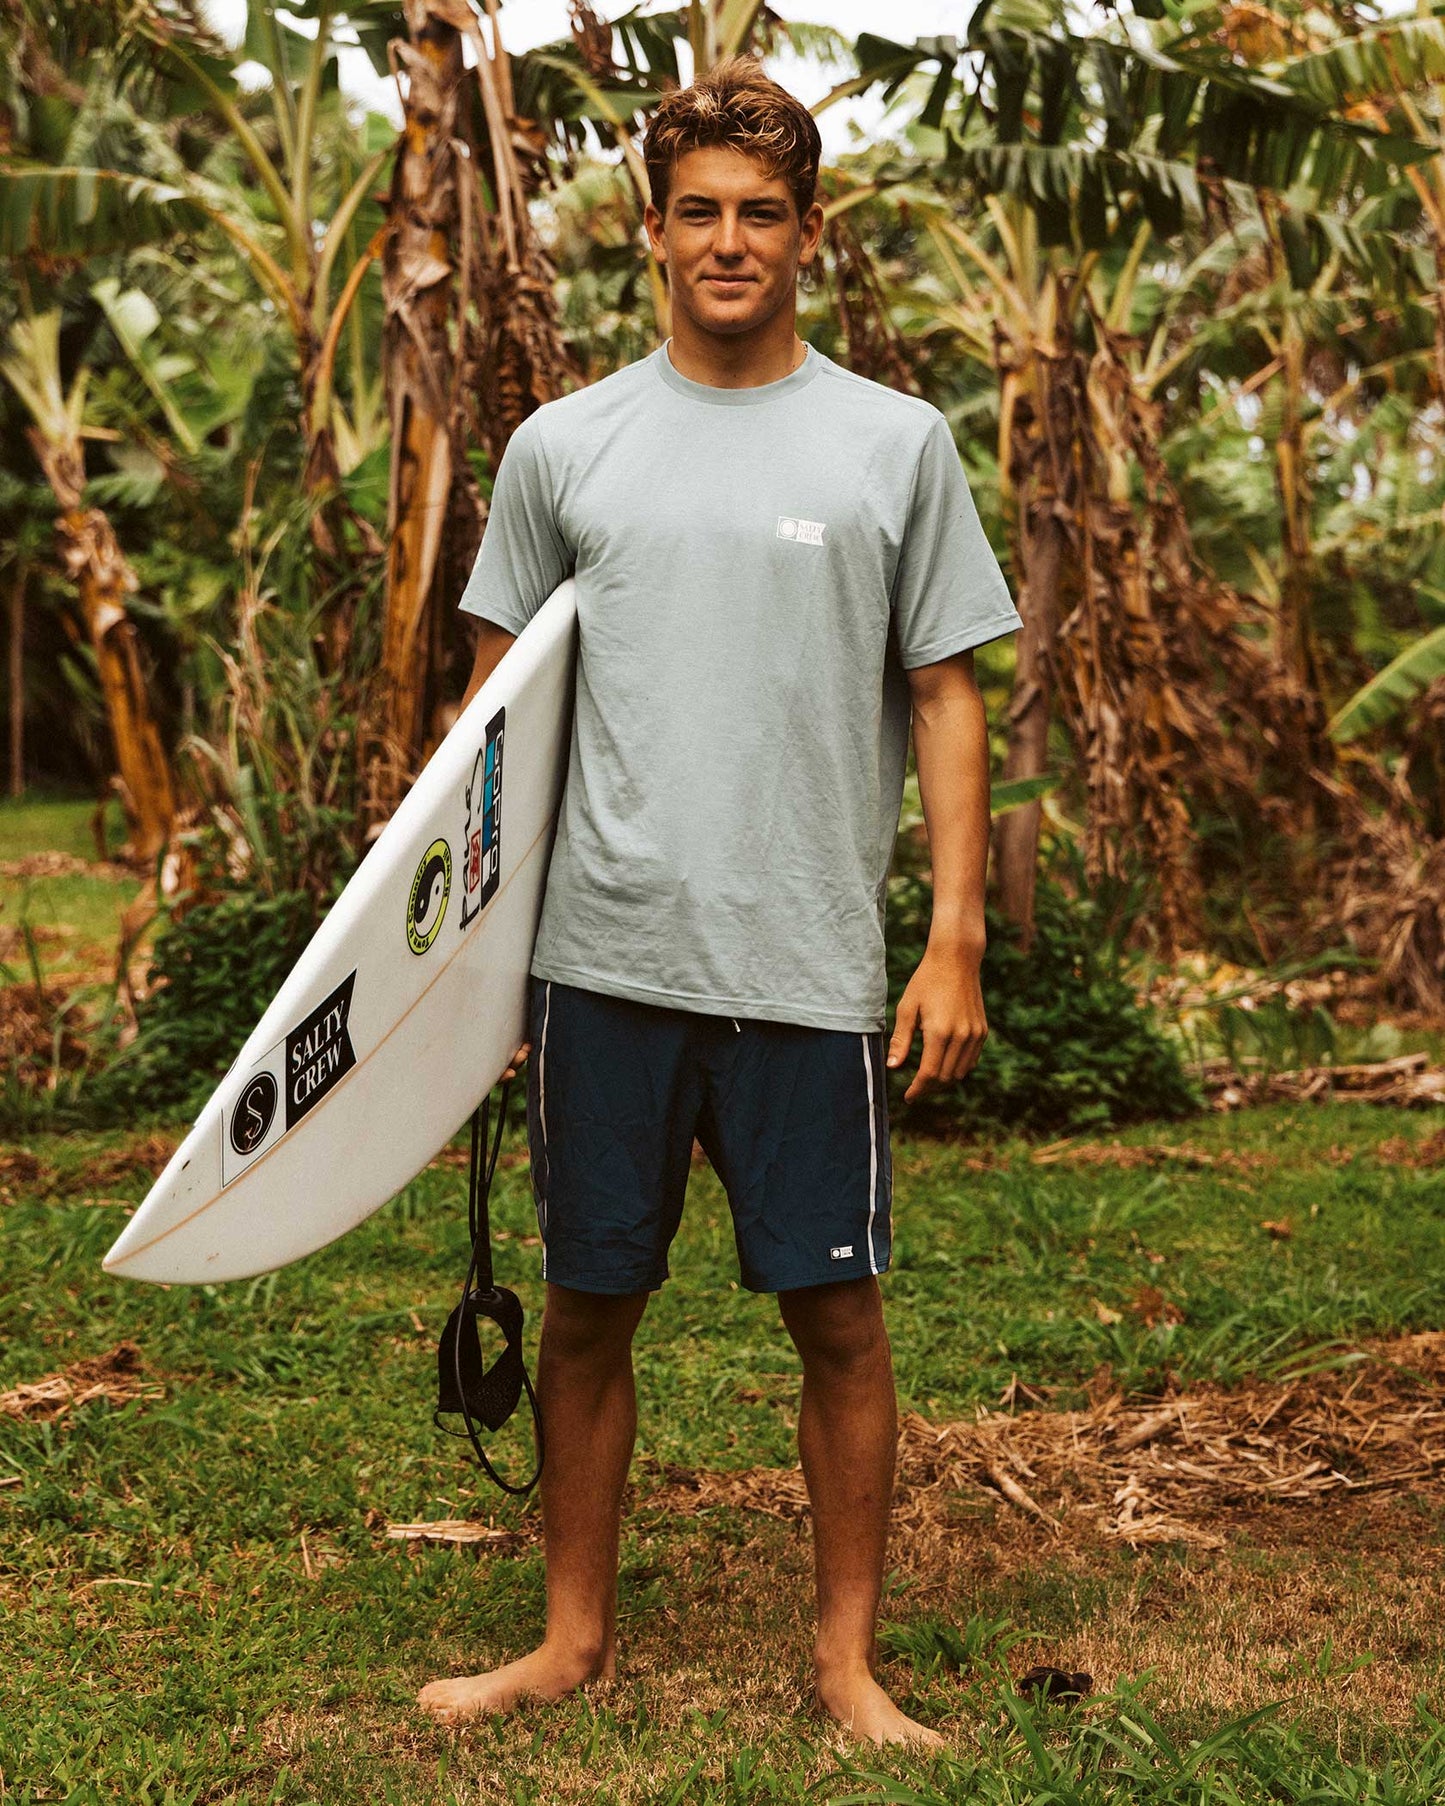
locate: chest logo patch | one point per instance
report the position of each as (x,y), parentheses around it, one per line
(805,532)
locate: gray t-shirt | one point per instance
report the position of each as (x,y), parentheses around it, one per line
(756,569)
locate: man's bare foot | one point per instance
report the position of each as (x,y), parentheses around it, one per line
(544,1674)
(861,1707)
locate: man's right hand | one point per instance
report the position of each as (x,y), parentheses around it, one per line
(517,1059)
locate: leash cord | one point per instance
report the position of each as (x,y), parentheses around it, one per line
(479,1185)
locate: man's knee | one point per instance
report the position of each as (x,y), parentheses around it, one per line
(837,1328)
(589,1326)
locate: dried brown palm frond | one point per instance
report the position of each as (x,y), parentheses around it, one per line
(472,347)
(1385,892)
(872,344)
(593,38)
(1164,677)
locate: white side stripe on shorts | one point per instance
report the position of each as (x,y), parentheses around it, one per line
(542,1113)
(872,1156)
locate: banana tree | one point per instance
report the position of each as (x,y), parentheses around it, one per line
(1391,75)
(471,346)
(1391,691)
(1082,153)
(63,207)
(91,557)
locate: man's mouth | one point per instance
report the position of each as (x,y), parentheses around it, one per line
(728,281)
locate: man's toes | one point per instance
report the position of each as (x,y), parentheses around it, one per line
(442,1699)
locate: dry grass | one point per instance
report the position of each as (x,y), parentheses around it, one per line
(1410,1080)
(1272,1542)
(116,1375)
(1157,1473)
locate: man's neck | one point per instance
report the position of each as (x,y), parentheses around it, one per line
(742,360)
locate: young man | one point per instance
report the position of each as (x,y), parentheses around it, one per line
(774,558)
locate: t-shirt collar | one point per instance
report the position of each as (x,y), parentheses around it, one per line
(736,398)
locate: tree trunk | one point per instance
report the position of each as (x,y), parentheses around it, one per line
(1036,469)
(472,347)
(17,683)
(1041,548)
(92,558)
(419,284)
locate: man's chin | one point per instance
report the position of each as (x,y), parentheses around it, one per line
(729,319)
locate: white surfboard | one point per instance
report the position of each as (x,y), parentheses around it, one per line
(401,1014)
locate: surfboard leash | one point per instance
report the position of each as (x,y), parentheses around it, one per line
(464,1383)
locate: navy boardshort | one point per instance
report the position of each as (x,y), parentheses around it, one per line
(793,1119)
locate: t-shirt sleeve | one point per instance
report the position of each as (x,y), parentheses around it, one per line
(523,556)
(948,592)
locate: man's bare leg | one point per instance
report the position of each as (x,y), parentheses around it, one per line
(589,1414)
(848,1440)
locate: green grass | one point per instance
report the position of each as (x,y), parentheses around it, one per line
(74,916)
(37,823)
(163,1640)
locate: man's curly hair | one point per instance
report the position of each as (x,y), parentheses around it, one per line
(737,105)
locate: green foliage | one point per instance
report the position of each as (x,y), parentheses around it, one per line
(214,970)
(1392,690)
(279,775)
(1069,1046)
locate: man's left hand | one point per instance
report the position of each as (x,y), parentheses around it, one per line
(945,1000)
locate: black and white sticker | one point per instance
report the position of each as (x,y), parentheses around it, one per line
(254,1113)
(304,1067)
(319,1053)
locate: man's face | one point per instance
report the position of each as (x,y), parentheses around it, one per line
(732,240)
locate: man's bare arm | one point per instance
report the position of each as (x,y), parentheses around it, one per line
(492,643)
(943,997)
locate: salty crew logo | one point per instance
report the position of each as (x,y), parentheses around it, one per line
(427,904)
(482,835)
(319,1053)
(252,1117)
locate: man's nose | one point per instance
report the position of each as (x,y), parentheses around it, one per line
(727,240)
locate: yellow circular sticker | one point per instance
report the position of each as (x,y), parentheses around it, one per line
(430,889)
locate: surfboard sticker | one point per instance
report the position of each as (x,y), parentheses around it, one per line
(312,1059)
(482,831)
(319,1053)
(255,1112)
(427,905)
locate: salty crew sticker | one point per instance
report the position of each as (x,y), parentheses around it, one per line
(427,904)
(482,834)
(312,1060)
(319,1053)
(254,1113)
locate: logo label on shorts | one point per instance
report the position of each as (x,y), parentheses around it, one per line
(255,1110)
(845,1253)
(482,836)
(427,903)
(804,532)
